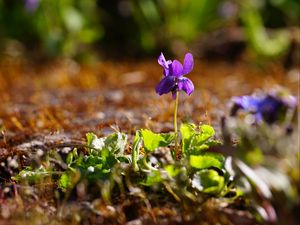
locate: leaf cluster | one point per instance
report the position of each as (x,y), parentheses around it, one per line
(150,167)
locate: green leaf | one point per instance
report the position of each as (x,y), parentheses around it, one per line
(153,178)
(75,153)
(69,159)
(109,159)
(84,162)
(187,131)
(65,181)
(116,143)
(92,160)
(206,133)
(32,175)
(136,150)
(90,137)
(194,141)
(208,181)
(207,160)
(172,170)
(152,141)
(201,139)
(95,167)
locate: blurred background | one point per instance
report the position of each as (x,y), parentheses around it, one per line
(85,30)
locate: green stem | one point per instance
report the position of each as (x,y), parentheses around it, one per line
(134,160)
(135,150)
(149,167)
(175,124)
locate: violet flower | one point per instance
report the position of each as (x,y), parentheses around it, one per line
(269,108)
(31,5)
(174,72)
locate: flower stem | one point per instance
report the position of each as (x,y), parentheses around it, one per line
(175,125)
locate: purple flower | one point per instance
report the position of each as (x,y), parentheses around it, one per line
(174,72)
(269,108)
(31,5)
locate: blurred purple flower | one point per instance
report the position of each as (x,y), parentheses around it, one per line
(269,108)
(228,9)
(31,5)
(174,72)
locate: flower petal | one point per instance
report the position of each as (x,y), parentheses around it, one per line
(176,68)
(290,101)
(165,64)
(161,60)
(247,103)
(166,85)
(188,63)
(186,85)
(167,70)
